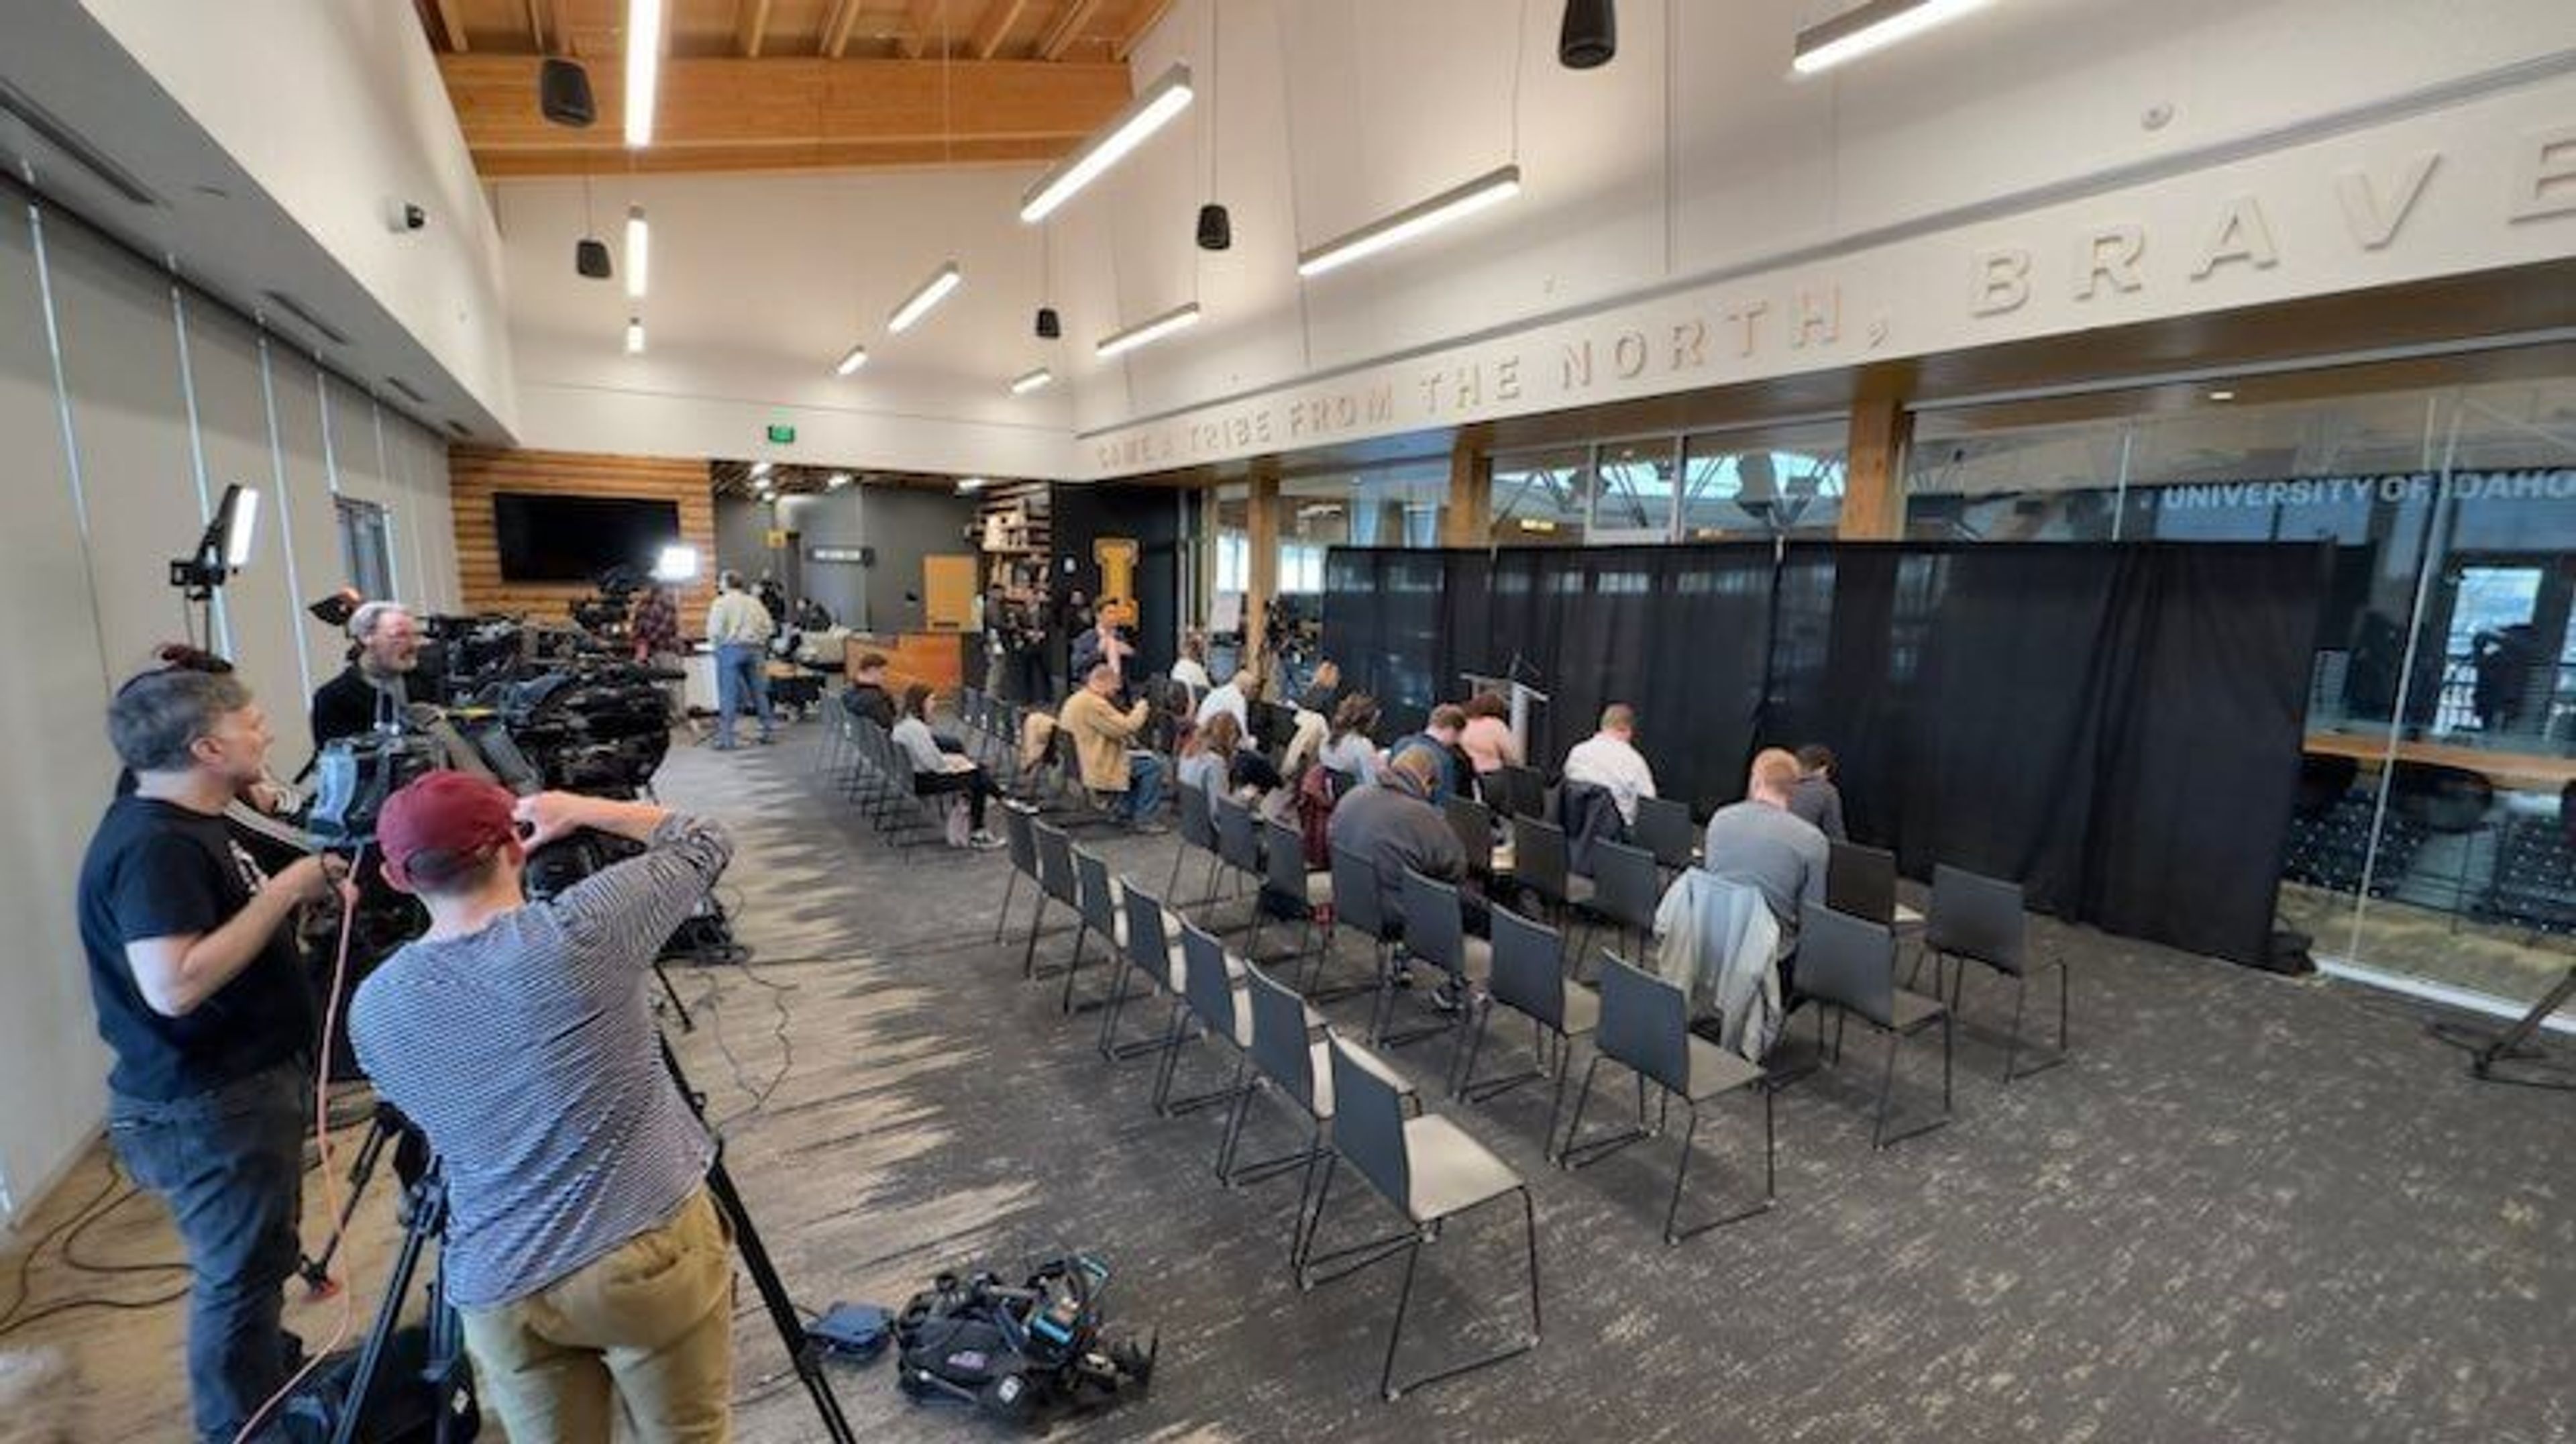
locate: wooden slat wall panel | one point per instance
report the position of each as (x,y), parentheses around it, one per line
(476,473)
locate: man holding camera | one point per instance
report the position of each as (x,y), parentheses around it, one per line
(203,999)
(592,1269)
(379,674)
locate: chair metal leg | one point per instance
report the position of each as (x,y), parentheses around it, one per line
(1395,1335)
(1029,950)
(1081,939)
(1584,1155)
(1002,914)
(1886,1086)
(1234,1125)
(1681,1170)
(1556,1102)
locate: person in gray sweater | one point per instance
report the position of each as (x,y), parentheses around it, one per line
(1760,842)
(1817,797)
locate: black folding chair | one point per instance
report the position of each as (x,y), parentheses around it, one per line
(1663,827)
(1645,1027)
(1430,1171)
(1849,966)
(1982,920)
(1626,887)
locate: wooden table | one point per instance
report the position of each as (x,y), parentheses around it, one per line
(2511,771)
(935,659)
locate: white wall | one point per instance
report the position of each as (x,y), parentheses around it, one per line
(164,398)
(1694,166)
(1696,159)
(335,107)
(758,285)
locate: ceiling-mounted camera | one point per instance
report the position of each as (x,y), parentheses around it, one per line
(402,216)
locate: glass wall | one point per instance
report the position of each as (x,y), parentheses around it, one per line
(2435,835)
(1707,486)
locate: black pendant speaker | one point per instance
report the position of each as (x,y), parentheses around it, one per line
(563,93)
(1050,325)
(1216,228)
(1590,35)
(590,257)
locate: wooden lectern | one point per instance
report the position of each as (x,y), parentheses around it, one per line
(1518,693)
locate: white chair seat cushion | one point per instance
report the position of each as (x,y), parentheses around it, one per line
(1450,1171)
(1320,1060)
(1714,1070)
(1582,1010)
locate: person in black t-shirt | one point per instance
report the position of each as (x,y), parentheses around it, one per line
(203,1000)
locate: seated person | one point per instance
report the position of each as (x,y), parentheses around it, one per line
(866,695)
(1761,843)
(1816,797)
(1609,760)
(1104,643)
(1438,739)
(1204,757)
(1234,697)
(1191,671)
(1349,749)
(936,772)
(1395,826)
(1314,713)
(1487,738)
(1105,739)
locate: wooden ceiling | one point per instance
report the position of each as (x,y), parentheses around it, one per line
(793,84)
(734,478)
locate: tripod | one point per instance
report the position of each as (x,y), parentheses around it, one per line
(385,1127)
(802,1352)
(456,1415)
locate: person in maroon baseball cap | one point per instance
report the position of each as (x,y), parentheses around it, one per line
(583,1252)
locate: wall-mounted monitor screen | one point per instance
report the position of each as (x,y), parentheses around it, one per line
(575,538)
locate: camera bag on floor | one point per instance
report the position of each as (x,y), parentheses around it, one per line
(411,1401)
(1020,1354)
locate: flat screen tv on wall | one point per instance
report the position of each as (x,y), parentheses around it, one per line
(575,538)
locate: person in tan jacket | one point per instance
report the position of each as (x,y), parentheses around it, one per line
(1103,737)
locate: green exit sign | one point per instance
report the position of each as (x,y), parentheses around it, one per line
(782,435)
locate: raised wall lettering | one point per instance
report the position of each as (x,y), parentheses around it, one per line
(2110,254)
(2001,281)
(2544,174)
(1628,355)
(2374,222)
(2241,235)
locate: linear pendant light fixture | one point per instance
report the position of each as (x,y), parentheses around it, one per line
(930,293)
(851,360)
(1416,220)
(1151,110)
(639,244)
(1028,381)
(1873,26)
(643,69)
(1179,318)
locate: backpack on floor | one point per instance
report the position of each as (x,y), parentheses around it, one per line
(1020,1354)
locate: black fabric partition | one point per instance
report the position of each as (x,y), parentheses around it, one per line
(2116,727)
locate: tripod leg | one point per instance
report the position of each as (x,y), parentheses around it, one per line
(428,1216)
(316,1271)
(782,1309)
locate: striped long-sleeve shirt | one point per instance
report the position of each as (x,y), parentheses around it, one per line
(526,1051)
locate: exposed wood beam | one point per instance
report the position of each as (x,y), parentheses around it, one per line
(998,18)
(837,23)
(558,33)
(451,19)
(750,27)
(923,22)
(733,114)
(1068,28)
(1139,25)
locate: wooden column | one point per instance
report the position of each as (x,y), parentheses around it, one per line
(1262,518)
(1468,519)
(1874,475)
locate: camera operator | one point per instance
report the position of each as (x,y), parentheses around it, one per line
(386,655)
(591,1267)
(202,998)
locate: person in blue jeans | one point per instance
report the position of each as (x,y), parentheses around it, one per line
(202,998)
(739,627)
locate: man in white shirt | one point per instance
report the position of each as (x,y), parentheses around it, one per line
(740,627)
(1235,698)
(1609,759)
(1191,671)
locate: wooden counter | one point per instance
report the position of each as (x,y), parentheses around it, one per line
(2509,771)
(936,659)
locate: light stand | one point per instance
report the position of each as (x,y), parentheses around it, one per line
(223,550)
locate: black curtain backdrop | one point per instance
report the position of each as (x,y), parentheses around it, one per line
(2118,728)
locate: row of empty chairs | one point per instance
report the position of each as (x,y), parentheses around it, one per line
(872,771)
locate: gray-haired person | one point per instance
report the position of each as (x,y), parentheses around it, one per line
(204,1002)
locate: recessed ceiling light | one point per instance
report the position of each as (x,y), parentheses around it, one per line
(972,483)
(634,335)
(2222,394)
(639,239)
(838,480)
(761,468)
(852,360)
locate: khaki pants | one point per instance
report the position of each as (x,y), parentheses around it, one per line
(644,1332)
